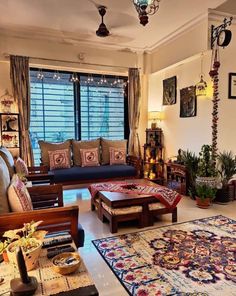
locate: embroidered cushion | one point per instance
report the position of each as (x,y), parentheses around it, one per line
(59,159)
(4,184)
(77,145)
(18,196)
(9,160)
(106,144)
(117,155)
(47,146)
(89,157)
(21,167)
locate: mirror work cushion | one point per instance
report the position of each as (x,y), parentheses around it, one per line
(59,159)
(45,147)
(4,184)
(9,160)
(78,145)
(107,144)
(18,196)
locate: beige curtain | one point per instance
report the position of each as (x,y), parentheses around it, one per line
(134,111)
(19,73)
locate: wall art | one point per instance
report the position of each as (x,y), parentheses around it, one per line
(169,91)
(232,85)
(188,102)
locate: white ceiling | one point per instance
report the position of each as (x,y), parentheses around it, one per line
(75,21)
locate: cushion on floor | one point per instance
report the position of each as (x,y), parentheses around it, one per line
(93,173)
(122,211)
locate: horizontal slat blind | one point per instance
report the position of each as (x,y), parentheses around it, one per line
(101,109)
(52,110)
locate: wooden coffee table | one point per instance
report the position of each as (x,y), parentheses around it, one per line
(117,200)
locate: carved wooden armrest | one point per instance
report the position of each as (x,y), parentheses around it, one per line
(58,219)
(135,162)
(42,169)
(46,196)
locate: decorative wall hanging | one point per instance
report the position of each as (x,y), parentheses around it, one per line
(219,37)
(169,91)
(232,85)
(188,102)
(7,101)
(201,86)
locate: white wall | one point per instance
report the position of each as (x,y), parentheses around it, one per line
(192,133)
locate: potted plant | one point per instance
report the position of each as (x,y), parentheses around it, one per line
(204,195)
(28,239)
(190,161)
(206,173)
(226,165)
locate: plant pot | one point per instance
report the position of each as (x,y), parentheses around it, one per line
(203,203)
(222,195)
(31,257)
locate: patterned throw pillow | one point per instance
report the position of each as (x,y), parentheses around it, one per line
(59,159)
(117,155)
(89,157)
(21,167)
(18,196)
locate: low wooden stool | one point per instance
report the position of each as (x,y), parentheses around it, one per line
(157,208)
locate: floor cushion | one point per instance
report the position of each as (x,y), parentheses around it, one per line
(122,211)
(93,173)
(4,184)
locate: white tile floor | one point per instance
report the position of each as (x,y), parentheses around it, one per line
(105,281)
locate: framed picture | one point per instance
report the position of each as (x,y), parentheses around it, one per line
(232,85)
(9,122)
(188,102)
(169,91)
(153,137)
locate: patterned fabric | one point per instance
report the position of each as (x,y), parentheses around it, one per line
(4,184)
(106,144)
(165,195)
(121,211)
(58,159)
(77,145)
(117,155)
(191,258)
(89,157)
(18,196)
(21,167)
(9,160)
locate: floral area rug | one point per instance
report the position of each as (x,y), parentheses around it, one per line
(193,258)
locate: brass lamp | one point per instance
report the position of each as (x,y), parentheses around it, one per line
(154,116)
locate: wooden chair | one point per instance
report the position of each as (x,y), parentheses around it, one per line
(47,202)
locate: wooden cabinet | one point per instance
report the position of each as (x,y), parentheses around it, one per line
(153,156)
(9,132)
(176,177)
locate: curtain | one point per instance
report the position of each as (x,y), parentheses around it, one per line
(19,73)
(134,111)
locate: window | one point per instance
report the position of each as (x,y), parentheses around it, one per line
(60,109)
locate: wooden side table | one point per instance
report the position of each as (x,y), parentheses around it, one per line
(177,177)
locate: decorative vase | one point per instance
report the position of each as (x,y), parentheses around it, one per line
(31,257)
(203,203)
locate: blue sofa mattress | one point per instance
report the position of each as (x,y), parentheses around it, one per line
(92,173)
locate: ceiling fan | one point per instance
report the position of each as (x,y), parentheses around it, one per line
(102,30)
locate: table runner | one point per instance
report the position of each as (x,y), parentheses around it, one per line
(49,282)
(168,197)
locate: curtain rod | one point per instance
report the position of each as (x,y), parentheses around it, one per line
(7,55)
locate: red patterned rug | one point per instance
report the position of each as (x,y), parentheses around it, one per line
(192,258)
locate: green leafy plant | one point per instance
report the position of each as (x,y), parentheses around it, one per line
(226,166)
(204,191)
(206,166)
(190,161)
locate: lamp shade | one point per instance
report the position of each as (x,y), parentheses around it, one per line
(154,115)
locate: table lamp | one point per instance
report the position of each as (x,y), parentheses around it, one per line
(154,116)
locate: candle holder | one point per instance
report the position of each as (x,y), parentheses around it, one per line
(25,285)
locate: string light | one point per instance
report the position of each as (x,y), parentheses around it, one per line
(56,76)
(74,78)
(40,74)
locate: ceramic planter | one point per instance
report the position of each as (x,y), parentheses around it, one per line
(212,182)
(31,257)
